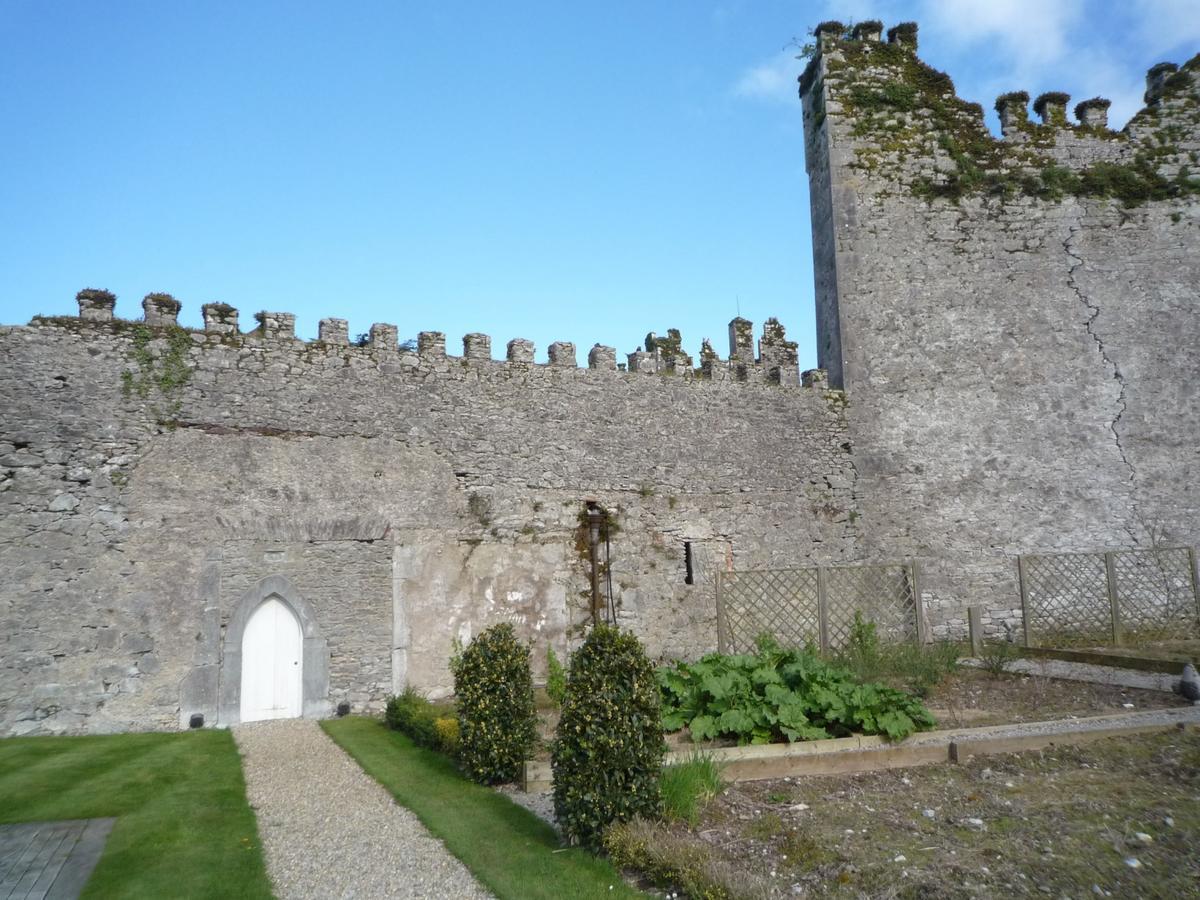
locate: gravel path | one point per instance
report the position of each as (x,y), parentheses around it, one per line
(540,803)
(329,830)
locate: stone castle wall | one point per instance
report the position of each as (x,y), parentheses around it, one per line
(1008,327)
(1014,320)
(150,477)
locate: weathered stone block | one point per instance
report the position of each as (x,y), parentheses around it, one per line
(562,354)
(383,337)
(160,309)
(477,346)
(334,331)
(431,345)
(641,361)
(219,318)
(741,340)
(276,325)
(520,351)
(96,305)
(603,358)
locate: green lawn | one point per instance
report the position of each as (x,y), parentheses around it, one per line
(183,826)
(509,849)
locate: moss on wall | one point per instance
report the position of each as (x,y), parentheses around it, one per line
(911,127)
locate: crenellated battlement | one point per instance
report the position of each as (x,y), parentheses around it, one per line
(902,123)
(220,318)
(776,360)
(160,309)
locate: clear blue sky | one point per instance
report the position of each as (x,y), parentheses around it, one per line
(555,171)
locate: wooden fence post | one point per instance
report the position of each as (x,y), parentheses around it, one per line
(1110,568)
(1023,582)
(722,625)
(822,610)
(975,629)
(1195,573)
(914,575)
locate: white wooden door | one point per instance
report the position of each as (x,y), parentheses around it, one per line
(272,663)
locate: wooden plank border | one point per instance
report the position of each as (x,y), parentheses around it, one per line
(866,754)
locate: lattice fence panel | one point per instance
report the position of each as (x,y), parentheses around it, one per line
(1066,600)
(779,602)
(787,604)
(1154,594)
(883,594)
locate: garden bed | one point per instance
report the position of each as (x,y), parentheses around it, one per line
(970,697)
(1117,817)
(963,699)
(867,753)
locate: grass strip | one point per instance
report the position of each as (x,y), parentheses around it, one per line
(510,850)
(184,828)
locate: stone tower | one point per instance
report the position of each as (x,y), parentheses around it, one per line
(1013,319)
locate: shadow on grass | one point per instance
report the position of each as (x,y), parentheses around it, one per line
(184,828)
(508,849)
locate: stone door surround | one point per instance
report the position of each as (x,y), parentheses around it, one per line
(315,687)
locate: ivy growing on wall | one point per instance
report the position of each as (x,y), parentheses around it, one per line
(163,372)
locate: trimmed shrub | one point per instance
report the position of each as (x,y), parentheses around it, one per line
(496,717)
(608,750)
(429,724)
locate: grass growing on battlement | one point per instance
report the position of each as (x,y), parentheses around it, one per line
(907,110)
(184,828)
(510,850)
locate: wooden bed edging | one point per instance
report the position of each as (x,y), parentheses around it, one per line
(840,756)
(1112,660)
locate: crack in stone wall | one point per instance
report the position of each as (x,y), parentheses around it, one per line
(1122,405)
(983,424)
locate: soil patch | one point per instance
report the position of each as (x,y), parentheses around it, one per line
(1118,817)
(970,697)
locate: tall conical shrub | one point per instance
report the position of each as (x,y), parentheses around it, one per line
(608,750)
(493,688)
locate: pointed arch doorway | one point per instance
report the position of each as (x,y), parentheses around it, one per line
(272,663)
(274,660)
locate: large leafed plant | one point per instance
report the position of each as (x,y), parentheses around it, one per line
(778,695)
